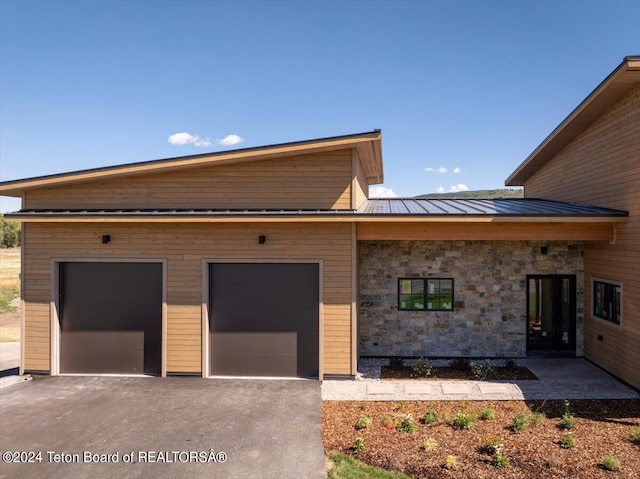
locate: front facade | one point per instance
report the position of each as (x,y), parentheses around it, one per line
(273,261)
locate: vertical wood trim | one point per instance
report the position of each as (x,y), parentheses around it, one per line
(354,301)
(54,326)
(22,302)
(354,179)
(321,319)
(205,348)
(163,367)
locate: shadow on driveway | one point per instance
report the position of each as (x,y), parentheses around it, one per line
(267,429)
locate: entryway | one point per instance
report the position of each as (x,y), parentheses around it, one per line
(551,315)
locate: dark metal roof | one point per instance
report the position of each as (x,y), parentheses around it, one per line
(394,207)
(489,207)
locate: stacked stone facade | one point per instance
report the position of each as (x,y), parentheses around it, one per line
(489,316)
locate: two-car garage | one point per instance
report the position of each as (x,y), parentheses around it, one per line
(263,318)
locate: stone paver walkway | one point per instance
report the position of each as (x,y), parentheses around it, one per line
(566,378)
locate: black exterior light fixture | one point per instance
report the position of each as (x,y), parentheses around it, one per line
(106,239)
(544,250)
(262,239)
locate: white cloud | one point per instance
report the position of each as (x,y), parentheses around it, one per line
(456,170)
(381,192)
(440,189)
(230,140)
(185,138)
(442,169)
(458,187)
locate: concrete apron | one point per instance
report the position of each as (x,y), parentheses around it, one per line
(566,378)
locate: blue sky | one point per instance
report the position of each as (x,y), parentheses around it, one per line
(470,87)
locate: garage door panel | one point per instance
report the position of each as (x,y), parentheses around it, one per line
(264,319)
(111,318)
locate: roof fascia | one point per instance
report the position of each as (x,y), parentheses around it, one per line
(617,84)
(359,140)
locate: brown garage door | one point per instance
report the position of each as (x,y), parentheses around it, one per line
(264,319)
(111,318)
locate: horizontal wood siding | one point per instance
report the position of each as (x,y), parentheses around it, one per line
(321,181)
(602,167)
(184,247)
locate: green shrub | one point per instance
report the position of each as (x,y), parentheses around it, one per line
(500,459)
(407,424)
(567,441)
(635,435)
(358,445)
(482,371)
(487,414)
(430,416)
(421,369)
(364,421)
(536,418)
(519,422)
(491,445)
(463,421)
(610,463)
(9,233)
(568,421)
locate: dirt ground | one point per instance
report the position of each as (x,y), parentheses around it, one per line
(603,428)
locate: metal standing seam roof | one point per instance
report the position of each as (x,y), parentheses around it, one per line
(480,207)
(387,207)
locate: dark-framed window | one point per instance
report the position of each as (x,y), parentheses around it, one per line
(425,294)
(607,301)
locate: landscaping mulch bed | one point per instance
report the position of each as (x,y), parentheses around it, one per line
(603,428)
(517,373)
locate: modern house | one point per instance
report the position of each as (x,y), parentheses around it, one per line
(273,261)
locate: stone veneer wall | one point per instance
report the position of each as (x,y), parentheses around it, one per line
(489,317)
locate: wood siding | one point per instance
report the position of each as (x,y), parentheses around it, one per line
(315,181)
(602,167)
(184,247)
(360,185)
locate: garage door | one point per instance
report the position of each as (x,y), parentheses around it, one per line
(264,319)
(111,318)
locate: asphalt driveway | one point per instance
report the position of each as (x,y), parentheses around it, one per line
(162,428)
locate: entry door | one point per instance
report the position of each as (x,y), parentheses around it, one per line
(551,313)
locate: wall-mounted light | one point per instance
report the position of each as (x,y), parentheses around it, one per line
(262,239)
(544,250)
(106,239)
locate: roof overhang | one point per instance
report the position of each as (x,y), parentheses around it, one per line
(618,84)
(368,145)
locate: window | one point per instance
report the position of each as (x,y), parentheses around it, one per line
(607,301)
(425,294)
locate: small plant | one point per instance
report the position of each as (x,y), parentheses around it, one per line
(389,422)
(463,421)
(358,445)
(430,445)
(500,459)
(488,414)
(536,418)
(610,463)
(452,462)
(491,445)
(519,422)
(482,371)
(567,442)
(399,406)
(635,435)
(364,421)
(407,424)
(568,420)
(430,416)
(421,369)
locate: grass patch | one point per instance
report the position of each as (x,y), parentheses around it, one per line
(346,467)
(7,295)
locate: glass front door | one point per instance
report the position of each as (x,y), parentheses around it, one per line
(551,313)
